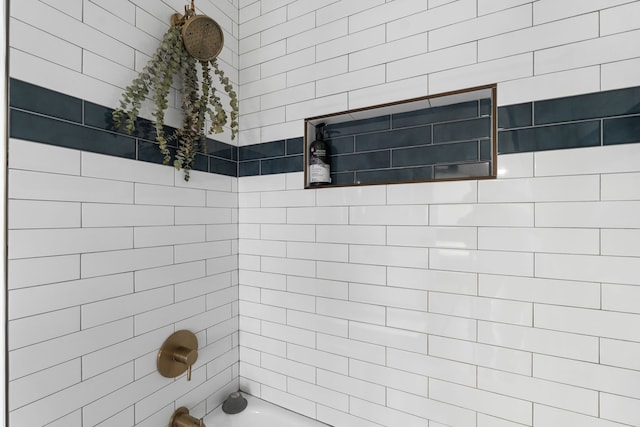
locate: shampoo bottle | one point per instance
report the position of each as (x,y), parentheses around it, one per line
(319,168)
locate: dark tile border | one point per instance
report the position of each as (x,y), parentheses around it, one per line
(603,118)
(42,115)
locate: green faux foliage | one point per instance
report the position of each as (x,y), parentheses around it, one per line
(199,101)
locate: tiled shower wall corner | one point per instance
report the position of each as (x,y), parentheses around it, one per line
(110,255)
(113,256)
(508,302)
(473,304)
(470,304)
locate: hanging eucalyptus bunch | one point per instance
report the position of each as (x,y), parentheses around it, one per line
(200,102)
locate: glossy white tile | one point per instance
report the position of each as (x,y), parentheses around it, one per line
(623,354)
(363,389)
(537,340)
(437,237)
(512,312)
(588,214)
(611,159)
(620,298)
(619,408)
(510,360)
(622,270)
(433,367)
(435,324)
(518,165)
(587,375)
(510,408)
(548,189)
(547,291)
(388,296)
(622,186)
(432,193)
(350,196)
(372,274)
(598,323)
(396,256)
(491,262)
(539,391)
(433,280)
(389,215)
(486,215)
(620,242)
(555,240)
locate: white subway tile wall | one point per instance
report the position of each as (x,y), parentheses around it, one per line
(99,281)
(514,303)
(470,304)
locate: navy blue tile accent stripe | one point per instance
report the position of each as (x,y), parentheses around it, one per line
(542,138)
(590,106)
(47,130)
(42,115)
(270,158)
(36,99)
(595,119)
(381,149)
(623,130)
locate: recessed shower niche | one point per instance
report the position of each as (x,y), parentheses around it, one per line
(448,136)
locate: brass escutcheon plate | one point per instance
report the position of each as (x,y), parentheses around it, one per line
(167,365)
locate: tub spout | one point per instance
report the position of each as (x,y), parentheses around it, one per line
(181,418)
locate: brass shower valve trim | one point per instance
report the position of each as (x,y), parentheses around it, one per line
(178,354)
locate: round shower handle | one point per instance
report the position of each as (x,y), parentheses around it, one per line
(178,354)
(186,356)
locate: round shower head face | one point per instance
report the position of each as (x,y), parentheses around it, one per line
(203,37)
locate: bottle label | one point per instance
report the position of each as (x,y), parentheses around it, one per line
(319,173)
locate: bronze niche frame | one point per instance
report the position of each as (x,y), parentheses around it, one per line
(408,105)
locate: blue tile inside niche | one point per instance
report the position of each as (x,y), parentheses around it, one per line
(341,145)
(421,173)
(343,178)
(436,154)
(462,130)
(486,107)
(393,139)
(463,170)
(460,111)
(361,161)
(356,127)
(485,150)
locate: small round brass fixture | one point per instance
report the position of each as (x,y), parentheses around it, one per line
(178,353)
(202,36)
